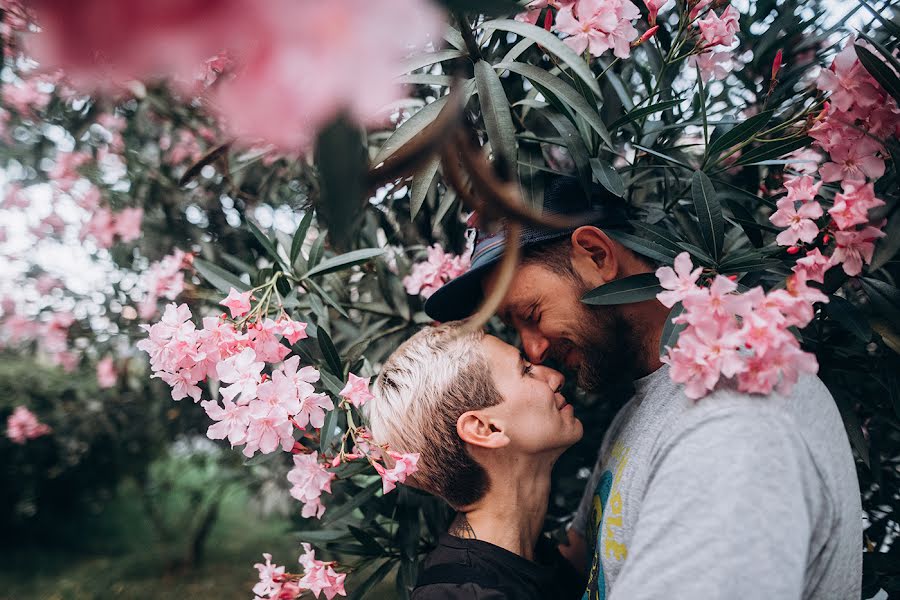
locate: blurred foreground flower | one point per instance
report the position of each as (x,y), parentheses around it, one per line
(22,425)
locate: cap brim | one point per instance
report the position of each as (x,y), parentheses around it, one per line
(460,297)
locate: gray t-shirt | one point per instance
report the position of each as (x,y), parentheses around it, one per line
(731,496)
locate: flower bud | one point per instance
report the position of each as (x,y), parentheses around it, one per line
(776,65)
(793,250)
(647,35)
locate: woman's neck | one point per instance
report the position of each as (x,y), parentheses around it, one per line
(510,515)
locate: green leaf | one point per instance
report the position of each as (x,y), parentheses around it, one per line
(381,572)
(741,133)
(221,279)
(321,536)
(745,219)
(261,459)
(887,247)
(327,297)
(575,144)
(495,112)
(884,297)
(768,150)
(608,177)
(702,257)
(361,497)
(424,60)
(637,113)
(880,71)
(635,288)
(750,260)
(709,213)
(366,539)
(552,45)
(267,244)
(408,130)
(330,353)
(564,92)
(851,318)
(342,161)
(644,247)
(657,234)
(422,182)
(300,236)
(316,252)
(344,261)
(665,157)
(671,330)
(326,434)
(334,384)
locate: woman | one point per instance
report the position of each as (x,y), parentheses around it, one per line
(489,427)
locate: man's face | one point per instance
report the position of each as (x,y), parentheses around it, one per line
(546,310)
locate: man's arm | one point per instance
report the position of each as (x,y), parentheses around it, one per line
(575,551)
(726,513)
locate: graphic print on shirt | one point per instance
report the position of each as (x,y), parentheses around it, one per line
(605,524)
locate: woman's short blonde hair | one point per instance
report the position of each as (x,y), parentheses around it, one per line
(424,387)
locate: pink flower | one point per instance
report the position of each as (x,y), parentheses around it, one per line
(319,577)
(22,425)
(100,227)
(242,371)
(426,277)
(856,160)
(357,390)
(802,189)
(799,221)
(292,330)
(269,576)
(404,466)
(716,302)
(65,172)
(852,205)
(532,11)
(599,25)
(268,347)
(269,426)
(237,302)
(813,266)
(106,373)
(183,382)
(231,421)
(853,248)
(680,282)
(128,224)
(310,479)
(712,65)
(705,351)
(302,378)
(653,7)
(717,30)
(795,301)
(312,410)
(847,80)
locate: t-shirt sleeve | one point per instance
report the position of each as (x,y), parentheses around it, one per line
(726,514)
(579,522)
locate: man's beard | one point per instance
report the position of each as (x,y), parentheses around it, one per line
(608,350)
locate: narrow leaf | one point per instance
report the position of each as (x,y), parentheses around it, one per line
(344,261)
(642,112)
(709,213)
(575,144)
(221,279)
(671,330)
(657,234)
(365,587)
(880,71)
(300,235)
(644,247)
(422,182)
(360,498)
(635,288)
(740,133)
(495,112)
(329,427)
(608,177)
(851,318)
(330,353)
(267,244)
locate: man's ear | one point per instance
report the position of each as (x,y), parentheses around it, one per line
(477,428)
(594,256)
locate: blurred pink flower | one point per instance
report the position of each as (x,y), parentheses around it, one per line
(847,80)
(599,25)
(22,425)
(426,277)
(716,30)
(653,7)
(65,172)
(238,303)
(813,266)
(712,65)
(852,205)
(309,479)
(357,390)
(128,223)
(106,372)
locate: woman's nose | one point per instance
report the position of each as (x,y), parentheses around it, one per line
(535,346)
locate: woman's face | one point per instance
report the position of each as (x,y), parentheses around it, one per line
(534,414)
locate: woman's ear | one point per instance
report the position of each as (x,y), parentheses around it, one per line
(477,428)
(594,256)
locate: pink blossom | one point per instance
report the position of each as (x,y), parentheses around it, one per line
(532,11)
(813,266)
(404,466)
(269,576)
(106,373)
(128,224)
(712,65)
(856,160)
(302,378)
(357,390)
(653,7)
(183,382)
(15,197)
(320,577)
(269,426)
(292,330)
(231,421)
(717,30)
(237,302)
(164,279)
(185,150)
(802,189)
(796,301)
(22,425)
(680,282)
(26,97)
(599,25)
(853,248)
(777,368)
(100,227)
(268,347)
(312,410)
(718,302)
(852,205)
(242,371)
(704,352)
(799,221)
(698,8)
(426,277)
(847,80)
(309,479)
(65,171)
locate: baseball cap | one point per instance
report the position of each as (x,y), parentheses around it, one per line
(563,196)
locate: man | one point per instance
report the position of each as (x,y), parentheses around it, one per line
(731,496)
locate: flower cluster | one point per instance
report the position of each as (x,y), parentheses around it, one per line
(51,333)
(743,336)
(440,267)
(163,279)
(22,425)
(318,577)
(592,25)
(712,56)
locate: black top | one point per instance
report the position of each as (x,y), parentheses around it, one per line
(461,569)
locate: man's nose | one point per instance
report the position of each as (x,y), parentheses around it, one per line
(535,346)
